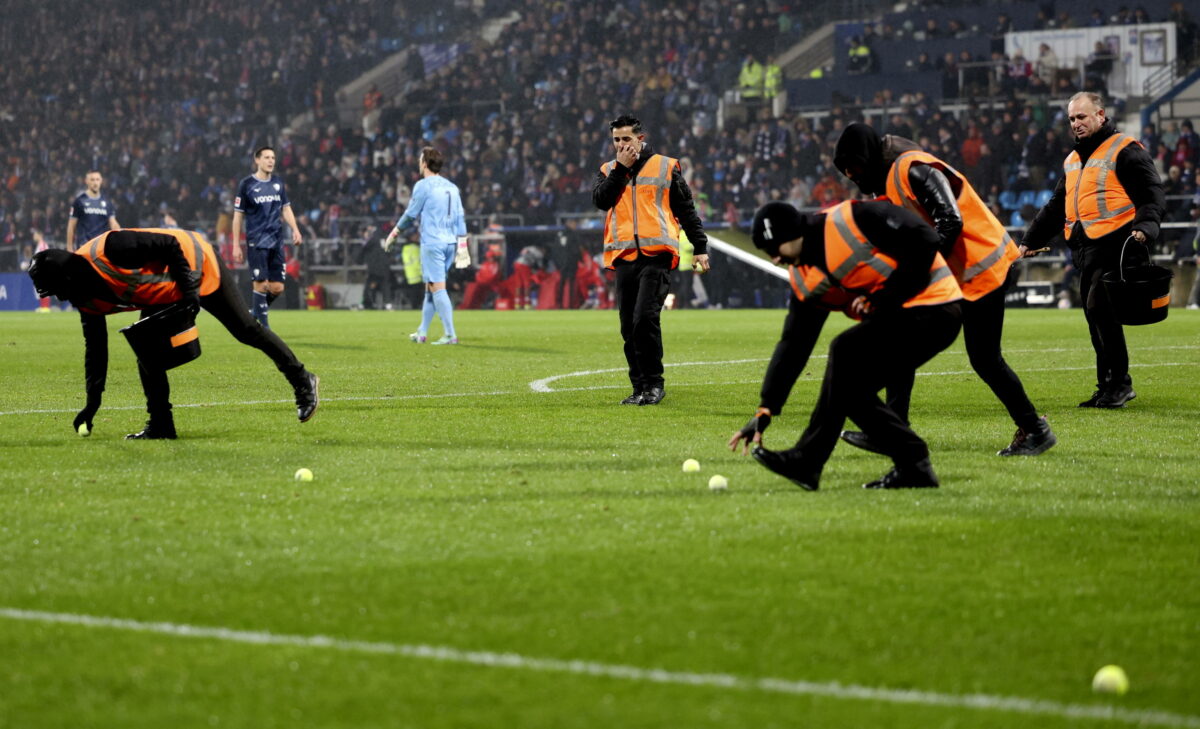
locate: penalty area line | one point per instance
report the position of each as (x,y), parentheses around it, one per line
(489,659)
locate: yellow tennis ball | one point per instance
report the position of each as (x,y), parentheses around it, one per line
(304,475)
(84,431)
(691,465)
(1110,680)
(718,483)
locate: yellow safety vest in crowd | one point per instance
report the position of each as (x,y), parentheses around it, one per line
(1095,197)
(410,255)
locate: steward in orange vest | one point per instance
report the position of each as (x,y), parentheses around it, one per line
(978,250)
(878,263)
(1110,192)
(647,203)
(146,270)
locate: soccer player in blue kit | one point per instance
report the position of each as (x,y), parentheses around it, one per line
(438,205)
(91,212)
(263,202)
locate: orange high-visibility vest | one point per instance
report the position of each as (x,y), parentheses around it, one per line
(984,251)
(1095,197)
(859,268)
(642,218)
(151,285)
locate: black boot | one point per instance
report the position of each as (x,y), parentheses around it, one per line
(1031,442)
(307,397)
(653,396)
(156,429)
(861,440)
(787,464)
(917,475)
(634,399)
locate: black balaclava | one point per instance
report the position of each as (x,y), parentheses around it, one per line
(51,271)
(860,150)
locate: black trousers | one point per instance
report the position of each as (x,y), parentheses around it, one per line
(229,308)
(983,327)
(642,287)
(881,351)
(1108,336)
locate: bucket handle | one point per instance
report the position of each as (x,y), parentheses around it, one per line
(1121,264)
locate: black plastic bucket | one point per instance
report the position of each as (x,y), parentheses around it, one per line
(165,339)
(1139,295)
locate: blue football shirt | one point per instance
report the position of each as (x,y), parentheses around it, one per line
(93,214)
(437,204)
(262,203)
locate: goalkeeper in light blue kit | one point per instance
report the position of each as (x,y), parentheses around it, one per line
(438,206)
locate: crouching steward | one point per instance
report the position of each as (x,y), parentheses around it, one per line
(150,270)
(879,264)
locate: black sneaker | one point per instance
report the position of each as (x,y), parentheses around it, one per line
(1116,397)
(861,440)
(918,475)
(786,464)
(155,430)
(1091,401)
(307,397)
(1033,442)
(634,399)
(653,396)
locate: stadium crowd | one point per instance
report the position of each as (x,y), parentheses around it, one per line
(522,122)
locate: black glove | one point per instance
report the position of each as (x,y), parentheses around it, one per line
(752,432)
(758,424)
(189,290)
(88,412)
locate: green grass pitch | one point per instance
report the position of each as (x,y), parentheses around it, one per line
(477,553)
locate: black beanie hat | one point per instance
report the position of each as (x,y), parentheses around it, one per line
(776,223)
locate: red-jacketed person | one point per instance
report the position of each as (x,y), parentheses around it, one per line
(878,263)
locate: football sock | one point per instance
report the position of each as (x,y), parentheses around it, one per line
(260,308)
(271,296)
(427,311)
(445,311)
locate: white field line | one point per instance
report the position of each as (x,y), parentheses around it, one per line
(445,654)
(543,385)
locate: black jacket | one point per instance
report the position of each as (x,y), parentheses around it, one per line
(861,146)
(607,191)
(895,231)
(1137,175)
(130,249)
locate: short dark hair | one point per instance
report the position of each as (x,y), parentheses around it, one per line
(626,120)
(433,159)
(266,147)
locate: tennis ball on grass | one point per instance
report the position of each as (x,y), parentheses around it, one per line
(304,475)
(691,465)
(718,483)
(84,430)
(1111,680)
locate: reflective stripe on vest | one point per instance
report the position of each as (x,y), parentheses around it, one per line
(143,287)
(1095,197)
(984,252)
(858,266)
(642,218)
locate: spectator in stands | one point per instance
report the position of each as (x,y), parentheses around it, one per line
(772,78)
(1097,18)
(858,57)
(1099,63)
(1047,64)
(751,78)
(1186,31)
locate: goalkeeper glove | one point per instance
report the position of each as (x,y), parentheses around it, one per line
(462,258)
(391,239)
